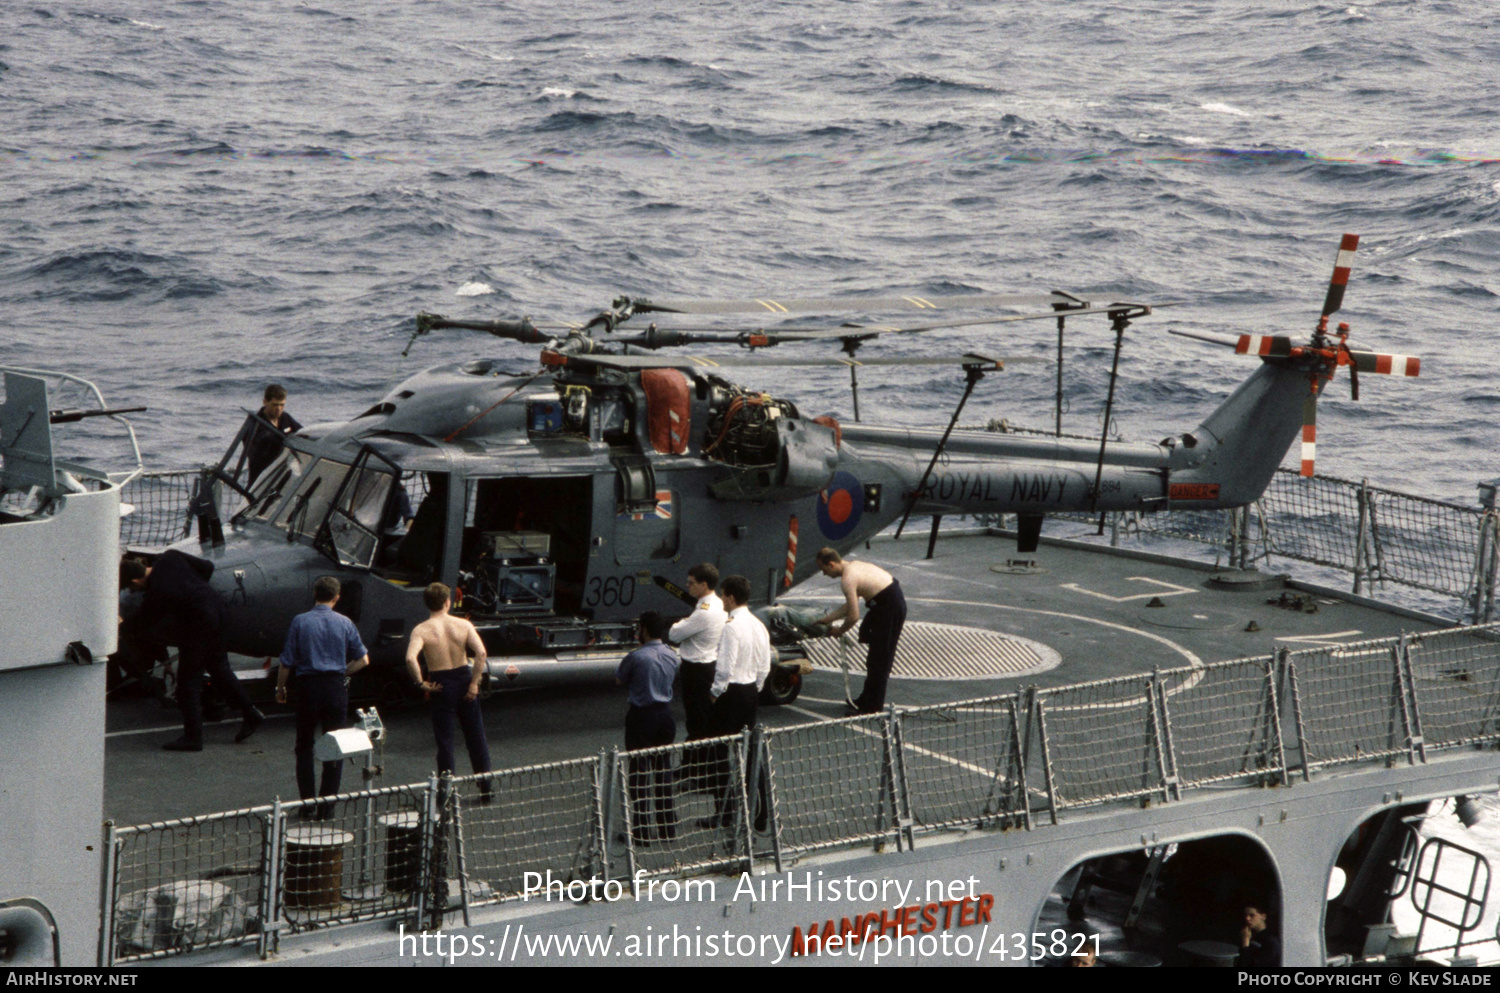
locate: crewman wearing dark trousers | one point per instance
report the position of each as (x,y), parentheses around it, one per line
(180,607)
(450,707)
(649,672)
(447,643)
(322,650)
(697,639)
(882,625)
(744,663)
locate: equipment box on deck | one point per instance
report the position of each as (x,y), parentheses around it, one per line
(516,544)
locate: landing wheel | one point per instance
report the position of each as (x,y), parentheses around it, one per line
(782,685)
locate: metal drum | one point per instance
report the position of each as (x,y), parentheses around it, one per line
(314,866)
(403,850)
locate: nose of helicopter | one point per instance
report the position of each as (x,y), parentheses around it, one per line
(263,584)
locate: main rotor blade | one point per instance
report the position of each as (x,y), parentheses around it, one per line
(1227,340)
(680,361)
(842,305)
(871,330)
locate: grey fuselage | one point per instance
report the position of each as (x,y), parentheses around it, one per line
(752,487)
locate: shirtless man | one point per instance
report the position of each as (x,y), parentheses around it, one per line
(447,642)
(881,629)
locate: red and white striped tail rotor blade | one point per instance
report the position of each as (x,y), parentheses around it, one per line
(1341,266)
(1386,365)
(1309,433)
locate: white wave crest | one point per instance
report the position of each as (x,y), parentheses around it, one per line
(474,289)
(559,92)
(1223,108)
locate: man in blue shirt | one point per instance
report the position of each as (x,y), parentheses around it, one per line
(322,649)
(649,672)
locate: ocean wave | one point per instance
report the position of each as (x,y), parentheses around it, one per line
(114,274)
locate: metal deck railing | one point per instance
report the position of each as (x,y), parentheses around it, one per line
(769,796)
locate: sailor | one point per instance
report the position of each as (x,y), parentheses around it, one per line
(265,444)
(697,639)
(179,606)
(1259,948)
(649,672)
(881,629)
(323,649)
(743,664)
(447,642)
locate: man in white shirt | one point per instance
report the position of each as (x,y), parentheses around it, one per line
(697,639)
(744,660)
(744,663)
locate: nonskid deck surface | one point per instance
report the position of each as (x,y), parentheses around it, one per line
(1082,615)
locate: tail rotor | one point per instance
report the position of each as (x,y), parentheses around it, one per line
(1323,354)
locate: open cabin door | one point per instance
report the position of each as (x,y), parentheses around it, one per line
(526,542)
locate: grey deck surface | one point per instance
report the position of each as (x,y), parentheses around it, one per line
(1088,606)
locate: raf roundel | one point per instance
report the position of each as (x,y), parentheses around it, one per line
(840,506)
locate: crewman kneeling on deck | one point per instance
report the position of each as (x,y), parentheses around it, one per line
(180,607)
(323,649)
(447,642)
(882,626)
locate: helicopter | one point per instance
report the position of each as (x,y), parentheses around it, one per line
(562,501)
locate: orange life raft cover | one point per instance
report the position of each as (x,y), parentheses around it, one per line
(668,410)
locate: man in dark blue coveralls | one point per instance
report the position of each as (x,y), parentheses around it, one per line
(264,443)
(649,672)
(179,607)
(322,649)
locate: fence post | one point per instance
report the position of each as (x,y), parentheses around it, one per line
(1377,571)
(457,806)
(743,820)
(1399,719)
(1486,560)
(1018,757)
(430,853)
(1361,532)
(604,790)
(1284,659)
(1491,527)
(111,893)
(773,817)
(1161,726)
(896,773)
(270,898)
(623,807)
(1273,717)
(1034,705)
(1415,744)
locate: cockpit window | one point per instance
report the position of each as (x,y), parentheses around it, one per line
(354,526)
(365,497)
(274,482)
(304,513)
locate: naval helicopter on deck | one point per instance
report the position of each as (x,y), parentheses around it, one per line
(564,500)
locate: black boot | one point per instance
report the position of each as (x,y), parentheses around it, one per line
(183,745)
(252,720)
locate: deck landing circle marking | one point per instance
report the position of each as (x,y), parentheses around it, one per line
(946,652)
(1192,659)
